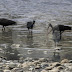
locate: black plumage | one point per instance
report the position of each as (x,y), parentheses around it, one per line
(5,22)
(57,31)
(60,28)
(30,25)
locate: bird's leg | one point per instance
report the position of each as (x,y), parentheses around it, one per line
(60,35)
(3,29)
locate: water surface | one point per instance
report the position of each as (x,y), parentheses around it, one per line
(37,43)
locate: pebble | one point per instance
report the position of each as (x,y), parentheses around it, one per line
(49,68)
(35,65)
(44,70)
(55,64)
(65,61)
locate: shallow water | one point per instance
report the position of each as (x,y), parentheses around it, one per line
(37,43)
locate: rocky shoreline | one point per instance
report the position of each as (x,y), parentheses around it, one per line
(35,65)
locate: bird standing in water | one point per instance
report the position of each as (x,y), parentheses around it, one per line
(58,30)
(5,22)
(30,24)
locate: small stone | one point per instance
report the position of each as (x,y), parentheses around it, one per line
(70,61)
(12,65)
(38,67)
(49,68)
(65,61)
(54,70)
(55,64)
(44,71)
(43,60)
(7,70)
(43,65)
(60,67)
(1,70)
(17,70)
(27,64)
(36,62)
(31,68)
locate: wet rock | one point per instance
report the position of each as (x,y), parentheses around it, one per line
(60,67)
(45,52)
(65,61)
(19,65)
(68,65)
(43,65)
(12,65)
(30,51)
(54,70)
(7,70)
(31,68)
(27,64)
(36,62)
(38,67)
(15,45)
(0,67)
(55,64)
(70,61)
(43,60)
(17,70)
(49,68)
(1,64)
(1,70)
(28,59)
(44,71)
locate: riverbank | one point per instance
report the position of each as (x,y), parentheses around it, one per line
(35,65)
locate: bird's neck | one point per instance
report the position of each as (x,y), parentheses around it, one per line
(52,28)
(33,22)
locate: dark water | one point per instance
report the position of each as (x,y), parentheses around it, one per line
(17,41)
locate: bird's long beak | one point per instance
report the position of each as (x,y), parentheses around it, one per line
(49,31)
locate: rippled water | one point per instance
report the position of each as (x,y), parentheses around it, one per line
(37,43)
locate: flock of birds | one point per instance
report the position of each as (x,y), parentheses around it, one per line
(59,28)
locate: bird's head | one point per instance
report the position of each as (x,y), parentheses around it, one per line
(33,21)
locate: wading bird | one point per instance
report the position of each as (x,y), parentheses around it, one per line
(5,22)
(58,30)
(30,24)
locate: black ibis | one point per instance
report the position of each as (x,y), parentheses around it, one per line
(6,22)
(58,30)
(30,24)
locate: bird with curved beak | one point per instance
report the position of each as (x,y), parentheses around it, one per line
(57,31)
(60,28)
(48,29)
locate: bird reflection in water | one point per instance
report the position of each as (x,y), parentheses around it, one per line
(57,31)
(30,40)
(56,56)
(7,37)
